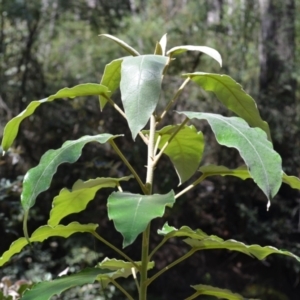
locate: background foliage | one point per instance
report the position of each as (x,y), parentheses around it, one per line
(46,45)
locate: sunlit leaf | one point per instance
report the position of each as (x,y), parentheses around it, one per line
(207,50)
(140,86)
(213,291)
(199,240)
(232,95)
(185,149)
(111,79)
(12,127)
(121,43)
(47,289)
(76,199)
(131,213)
(38,179)
(43,233)
(264,164)
(121,269)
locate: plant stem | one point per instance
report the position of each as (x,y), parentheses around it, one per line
(157,247)
(121,112)
(146,233)
(121,289)
(200,179)
(127,163)
(107,243)
(174,263)
(157,157)
(178,93)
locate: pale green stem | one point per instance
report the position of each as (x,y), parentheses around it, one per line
(200,179)
(121,112)
(169,105)
(193,296)
(25,228)
(171,265)
(107,243)
(127,163)
(157,157)
(146,233)
(121,289)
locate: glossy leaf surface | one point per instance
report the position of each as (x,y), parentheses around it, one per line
(185,150)
(207,50)
(38,179)
(141,79)
(232,95)
(43,233)
(131,213)
(213,291)
(120,268)
(76,199)
(111,79)
(47,289)
(201,241)
(12,127)
(264,164)
(121,43)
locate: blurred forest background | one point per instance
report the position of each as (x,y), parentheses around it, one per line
(46,45)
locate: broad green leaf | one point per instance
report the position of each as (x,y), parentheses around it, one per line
(232,95)
(140,86)
(121,269)
(199,240)
(213,242)
(213,170)
(38,179)
(207,50)
(43,233)
(131,213)
(111,79)
(11,129)
(185,149)
(76,200)
(121,43)
(214,291)
(264,164)
(47,289)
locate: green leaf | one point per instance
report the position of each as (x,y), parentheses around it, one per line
(131,213)
(292,181)
(213,170)
(185,150)
(43,233)
(120,268)
(121,43)
(232,95)
(111,79)
(214,291)
(207,50)
(12,127)
(199,240)
(76,200)
(140,86)
(264,164)
(38,179)
(213,242)
(47,289)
